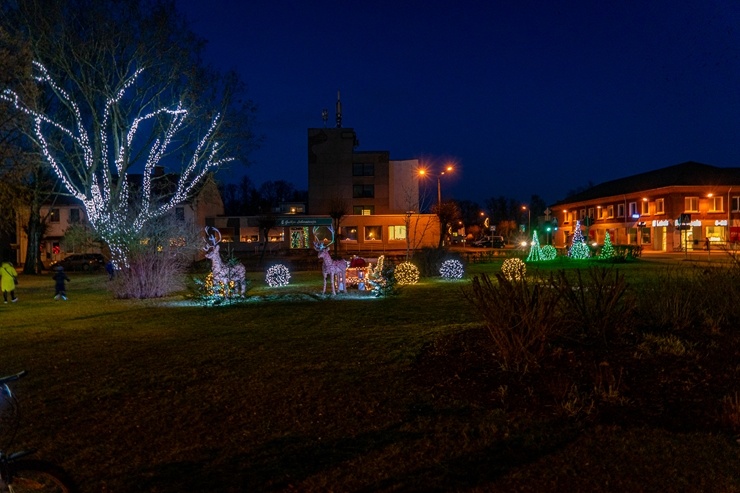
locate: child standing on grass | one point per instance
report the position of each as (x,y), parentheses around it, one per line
(59,278)
(8,280)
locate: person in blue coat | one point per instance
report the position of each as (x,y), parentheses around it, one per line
(59,279)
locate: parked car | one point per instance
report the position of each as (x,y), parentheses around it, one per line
(498,241)
(80,261)
(490,241)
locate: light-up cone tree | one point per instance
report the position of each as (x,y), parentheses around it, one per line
(535,251)
(607,251)
(578,248)
(104,150)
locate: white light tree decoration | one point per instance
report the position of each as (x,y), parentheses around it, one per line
(452,269)
(578,248)
(104,152)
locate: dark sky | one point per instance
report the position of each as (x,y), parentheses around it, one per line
(527,97)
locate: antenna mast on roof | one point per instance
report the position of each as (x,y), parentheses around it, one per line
(325,116)
(339,111)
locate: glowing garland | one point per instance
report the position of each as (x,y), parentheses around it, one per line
(451,269)
(107,204)
(514,269)
(535,252)
(578,248)
(607,251)
(277,276)
(549,252)
(406,273)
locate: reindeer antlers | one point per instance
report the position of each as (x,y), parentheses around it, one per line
(212,239)
(319,244)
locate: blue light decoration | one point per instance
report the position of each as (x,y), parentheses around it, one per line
(451,269)
(578,249)
(277,276)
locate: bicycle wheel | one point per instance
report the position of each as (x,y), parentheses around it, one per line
(40,476)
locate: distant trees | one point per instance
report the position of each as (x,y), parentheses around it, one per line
(244,199)
(448,213)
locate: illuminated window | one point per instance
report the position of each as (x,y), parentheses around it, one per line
(691,204)
(659,206)
(736,204)
(363,210)
(645,208)
(54,216)
(610,211)
(363,191)
(633,209)
(396,232)
(645,236)
(716,204)
(349,232)
(620,210)
(373,233)
(601,212)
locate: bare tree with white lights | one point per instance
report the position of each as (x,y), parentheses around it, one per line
(126,95)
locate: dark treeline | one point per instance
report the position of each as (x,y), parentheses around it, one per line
(246,199)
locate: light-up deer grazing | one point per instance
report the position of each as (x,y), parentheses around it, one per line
(331,268)
(223,273)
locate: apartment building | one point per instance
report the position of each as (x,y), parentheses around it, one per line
(676,208)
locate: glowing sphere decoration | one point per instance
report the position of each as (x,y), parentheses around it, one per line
(514,269)
(278,275)
(451,269)
(549,252)
(406,273)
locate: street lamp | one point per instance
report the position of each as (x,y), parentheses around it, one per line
(529,217)
(448,168)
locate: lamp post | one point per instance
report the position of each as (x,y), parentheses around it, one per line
(529,218)
(447,169)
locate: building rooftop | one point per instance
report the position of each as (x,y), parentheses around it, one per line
(689,173)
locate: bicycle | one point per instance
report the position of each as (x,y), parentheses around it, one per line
(18,473)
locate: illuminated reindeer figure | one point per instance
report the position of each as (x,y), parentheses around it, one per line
(223,273)
(331,268)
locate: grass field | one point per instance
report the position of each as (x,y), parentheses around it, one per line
(300,392)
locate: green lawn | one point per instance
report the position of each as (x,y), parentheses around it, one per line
(300,392)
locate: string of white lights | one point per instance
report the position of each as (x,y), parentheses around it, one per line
(105,199)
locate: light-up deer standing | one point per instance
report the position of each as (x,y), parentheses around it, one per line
(331,268)
(223,273)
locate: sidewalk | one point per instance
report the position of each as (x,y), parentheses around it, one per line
(696,256)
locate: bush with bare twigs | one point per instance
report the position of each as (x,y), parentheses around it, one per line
(157,262)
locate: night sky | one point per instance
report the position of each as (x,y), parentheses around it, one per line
(526,97)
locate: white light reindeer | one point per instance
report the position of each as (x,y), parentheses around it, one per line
(223,273)
(331,268)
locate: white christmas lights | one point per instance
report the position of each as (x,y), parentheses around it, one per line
(91,180)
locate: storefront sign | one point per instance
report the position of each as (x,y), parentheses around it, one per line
(303,221)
